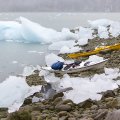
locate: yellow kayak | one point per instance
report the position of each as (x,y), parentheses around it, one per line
(96,51)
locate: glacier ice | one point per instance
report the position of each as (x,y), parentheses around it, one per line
(28,31)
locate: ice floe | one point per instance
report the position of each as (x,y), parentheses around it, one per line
(15,91)
(84,88)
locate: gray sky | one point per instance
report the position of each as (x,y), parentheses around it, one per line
(60,5)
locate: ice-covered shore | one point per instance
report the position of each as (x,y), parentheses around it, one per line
(27,31)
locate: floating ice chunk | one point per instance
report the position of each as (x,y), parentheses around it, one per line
(85,33)
(52,58)
(15,91)
(28,70)
(14,62)
(115,29)
(60,44)
(100,22)
(103,32)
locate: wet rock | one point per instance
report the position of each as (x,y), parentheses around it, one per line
(21,115)
(35,79)
(115,115)
(76,114)
(94,107)
(57,100)
(101,115)
(54,118)
(86,104)
(108,93)
(62,113)
(63,107)
(63,118)
(28,101)
(112,104)
(72,118)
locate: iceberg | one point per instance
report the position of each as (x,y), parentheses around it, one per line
(10,30)
(30,32)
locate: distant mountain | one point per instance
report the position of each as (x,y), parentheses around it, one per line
(60,5)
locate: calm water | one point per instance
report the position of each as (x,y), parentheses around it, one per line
(15,56)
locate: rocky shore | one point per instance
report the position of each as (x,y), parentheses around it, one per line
(56,108)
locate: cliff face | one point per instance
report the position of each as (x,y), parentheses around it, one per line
(60,5)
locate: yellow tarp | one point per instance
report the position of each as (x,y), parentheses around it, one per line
(96,51)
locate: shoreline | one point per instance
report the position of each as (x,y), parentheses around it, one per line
(59,108)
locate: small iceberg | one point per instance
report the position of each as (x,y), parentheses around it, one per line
(30,32)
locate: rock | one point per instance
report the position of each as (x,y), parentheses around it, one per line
(35,79)
(54,118)
(86,119)
(113,103)
(44,116)
(72,119)
(94,107)
(21,115)
(101,115)
(108,93)
(76,114)
(109,99)
(62,113)
(63,118)
(68,101)
(57,100)
(3,109)
(115,115)
(27,101)
(58,95)
(63,107)
(35,115)
(86,104)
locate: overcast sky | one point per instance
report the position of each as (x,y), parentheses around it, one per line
(60,5)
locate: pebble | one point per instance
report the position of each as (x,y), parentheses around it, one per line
(63,107)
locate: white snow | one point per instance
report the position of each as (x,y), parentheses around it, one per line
(52,58)
(84,88)
(14,90)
